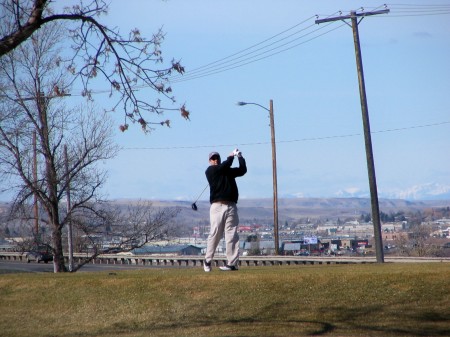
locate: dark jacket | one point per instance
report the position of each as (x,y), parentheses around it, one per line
(221,179)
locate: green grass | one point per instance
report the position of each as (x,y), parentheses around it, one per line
(333,300)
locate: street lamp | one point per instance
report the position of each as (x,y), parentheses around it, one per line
(274,172)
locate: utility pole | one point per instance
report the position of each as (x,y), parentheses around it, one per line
(35,178)
(275,184)
(70,233)
(365,116)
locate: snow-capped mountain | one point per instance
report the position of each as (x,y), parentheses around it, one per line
(352,192)
(430,191)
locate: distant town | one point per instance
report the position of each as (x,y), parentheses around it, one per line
(331,227)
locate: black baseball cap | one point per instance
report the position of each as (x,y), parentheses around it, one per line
(212,154)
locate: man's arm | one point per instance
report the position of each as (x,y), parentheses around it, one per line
(242,169)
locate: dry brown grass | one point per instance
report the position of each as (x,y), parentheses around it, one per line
(340,300)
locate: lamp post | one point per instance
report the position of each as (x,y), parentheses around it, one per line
(274,172)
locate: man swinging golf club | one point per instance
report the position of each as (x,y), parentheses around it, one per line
(223,212)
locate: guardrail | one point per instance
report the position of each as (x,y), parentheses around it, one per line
(244,261)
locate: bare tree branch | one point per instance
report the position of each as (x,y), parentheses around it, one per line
(127,64)
(130,227)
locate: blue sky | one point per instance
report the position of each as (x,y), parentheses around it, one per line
(314,87)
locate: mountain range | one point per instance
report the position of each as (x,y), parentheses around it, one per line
(301,208)
(430,191)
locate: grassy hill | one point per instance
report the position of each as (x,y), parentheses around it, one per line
(333,300)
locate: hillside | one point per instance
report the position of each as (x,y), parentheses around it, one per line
(290,208)
(299,208)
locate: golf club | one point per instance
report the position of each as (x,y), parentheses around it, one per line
(194,205)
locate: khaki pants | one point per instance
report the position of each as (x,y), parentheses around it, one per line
(224,218)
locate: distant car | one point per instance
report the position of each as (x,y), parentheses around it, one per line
(303,253)
(334,252)
(39,256)
(112,250)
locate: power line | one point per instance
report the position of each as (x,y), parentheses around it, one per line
(404,10)
(257,57)
(419,6)
(287,141)
(253,56)
(248,48)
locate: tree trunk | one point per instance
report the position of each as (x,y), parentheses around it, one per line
(58,256)
(51,175)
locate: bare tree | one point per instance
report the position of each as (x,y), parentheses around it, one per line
(126,63)
(119,229)
(29,114)
(417,242)
(69,144)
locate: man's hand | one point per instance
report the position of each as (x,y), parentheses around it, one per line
(237,153)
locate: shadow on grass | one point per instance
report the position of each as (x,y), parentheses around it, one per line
(348,324)
(367,319)
(244,327)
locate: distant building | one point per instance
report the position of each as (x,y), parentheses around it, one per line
(265,247)
(443,221)
(169,250)
(389,237)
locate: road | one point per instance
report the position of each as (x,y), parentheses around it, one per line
(132,263)
(7,267)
